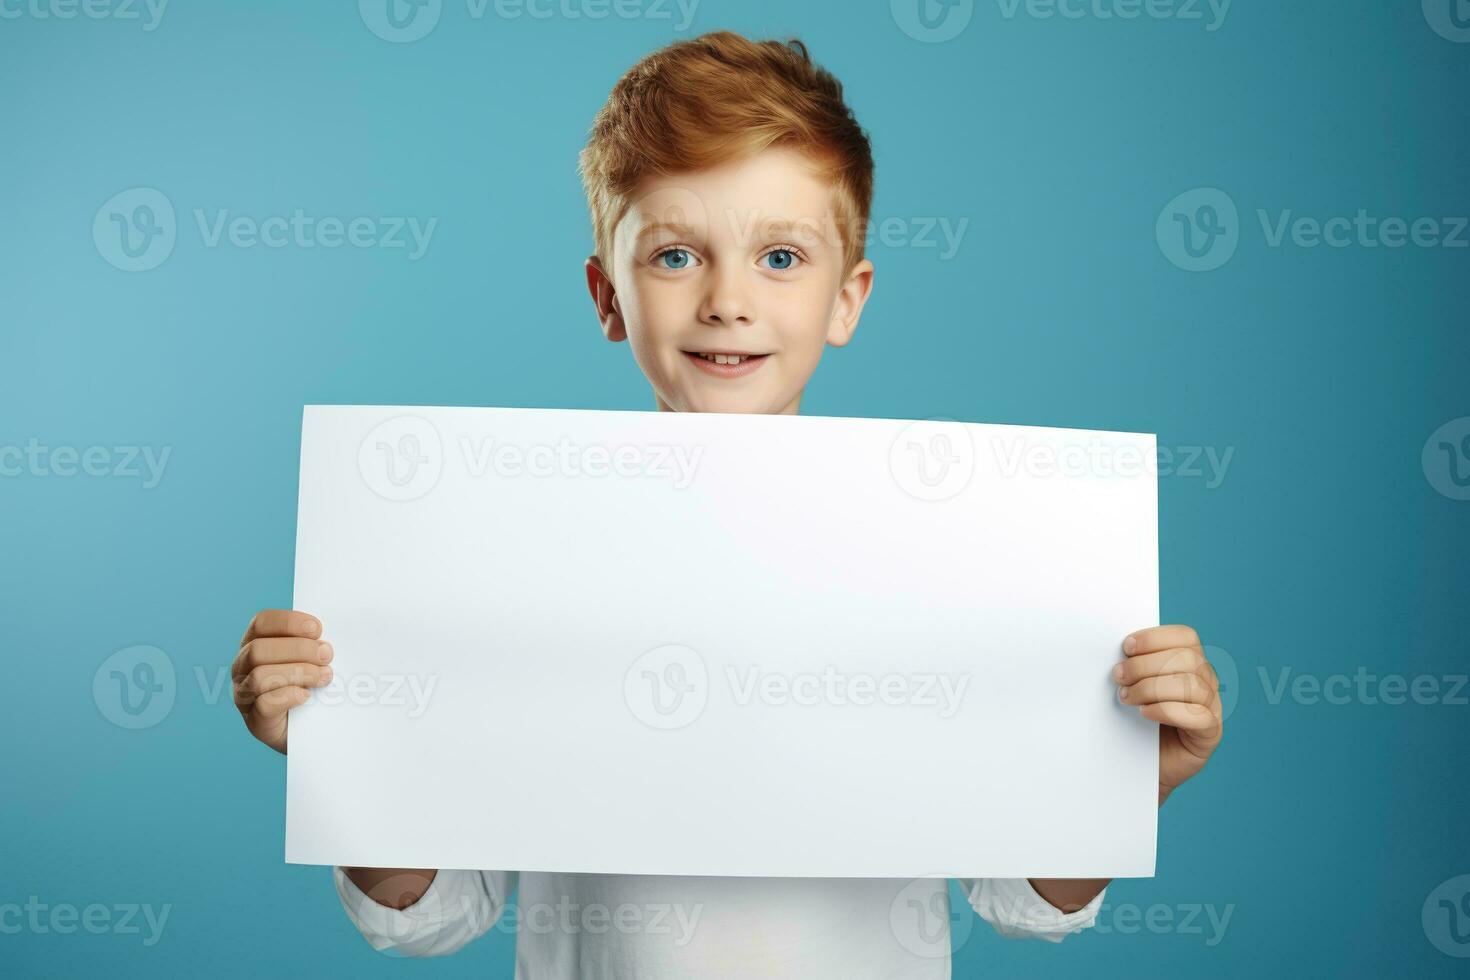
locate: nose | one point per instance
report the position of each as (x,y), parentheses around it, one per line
(726,302)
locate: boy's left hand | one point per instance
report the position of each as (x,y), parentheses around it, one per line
(1166,676)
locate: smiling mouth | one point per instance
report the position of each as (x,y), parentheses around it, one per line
(723,364)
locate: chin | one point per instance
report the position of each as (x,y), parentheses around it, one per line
(729,403)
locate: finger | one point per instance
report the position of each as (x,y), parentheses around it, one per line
(271,677)
(279,650)
(281,622)
(273,704)
(1179,660)
(1157,638)
(1193,718)
(1190,688)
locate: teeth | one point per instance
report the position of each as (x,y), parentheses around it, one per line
(724,358)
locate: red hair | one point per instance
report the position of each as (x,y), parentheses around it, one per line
(704,101)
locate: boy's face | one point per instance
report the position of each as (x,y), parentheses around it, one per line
(741,261)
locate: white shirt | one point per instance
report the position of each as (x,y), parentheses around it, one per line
(592,926)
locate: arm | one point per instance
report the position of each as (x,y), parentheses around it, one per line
(413,911)
(397,888)
(452,909)
(1069,894)
(1017,909)
(1165,675)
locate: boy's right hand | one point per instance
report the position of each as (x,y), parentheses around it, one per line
(280,656)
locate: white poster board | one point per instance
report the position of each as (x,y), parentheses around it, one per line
(657,643)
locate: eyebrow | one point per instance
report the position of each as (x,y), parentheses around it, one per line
(773,227)
(678,229)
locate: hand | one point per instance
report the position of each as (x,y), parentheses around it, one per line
(1167,677)
(280,657)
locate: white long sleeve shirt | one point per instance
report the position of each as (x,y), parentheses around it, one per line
(590,926)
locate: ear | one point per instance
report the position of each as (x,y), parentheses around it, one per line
(605,298)
(849,304)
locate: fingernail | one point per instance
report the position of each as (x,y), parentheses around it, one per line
(324,652)
(326,675)
(310,627)
(1122,694)
(1129,644)
(1118,673)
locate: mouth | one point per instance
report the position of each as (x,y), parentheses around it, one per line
(726,364)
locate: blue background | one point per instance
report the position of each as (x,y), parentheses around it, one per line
(1326,546)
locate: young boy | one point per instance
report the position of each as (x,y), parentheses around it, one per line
(729,186)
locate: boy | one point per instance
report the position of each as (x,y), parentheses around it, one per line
(729,186)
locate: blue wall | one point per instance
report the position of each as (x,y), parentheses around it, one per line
(1328,537)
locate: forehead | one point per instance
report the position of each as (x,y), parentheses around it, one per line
(762,192)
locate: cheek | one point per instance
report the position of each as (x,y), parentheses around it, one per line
(807,320)
(657,308)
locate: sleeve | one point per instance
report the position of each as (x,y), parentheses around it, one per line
(1017,911)
(458,907)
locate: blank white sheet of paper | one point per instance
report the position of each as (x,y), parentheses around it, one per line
(659,643)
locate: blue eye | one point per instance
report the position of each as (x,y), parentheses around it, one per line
(670,260)
(784,262)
